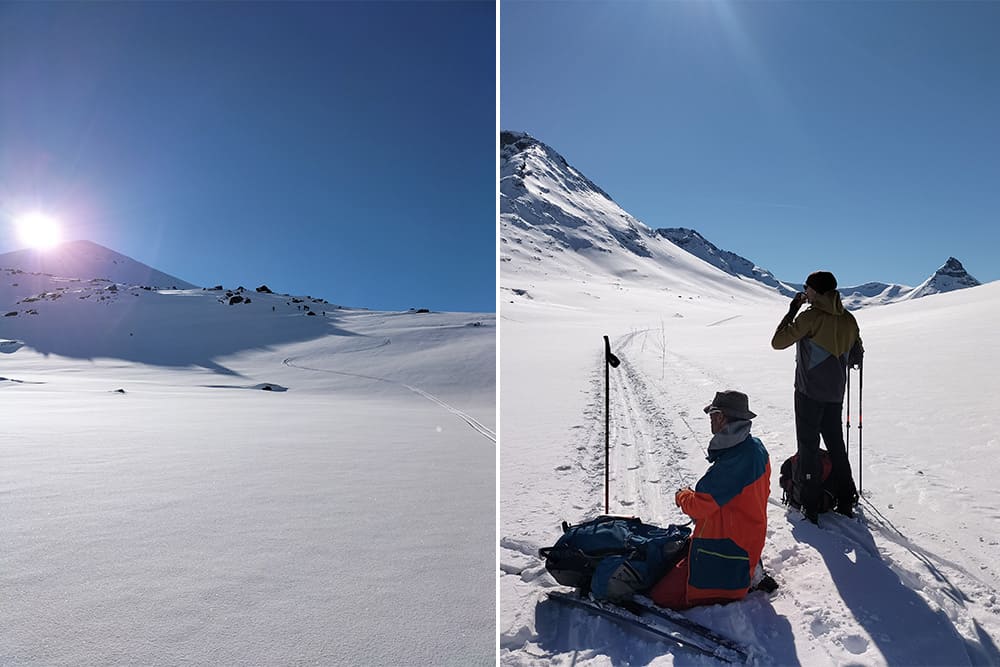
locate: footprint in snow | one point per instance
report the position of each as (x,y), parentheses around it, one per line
(856,644)
(818,627)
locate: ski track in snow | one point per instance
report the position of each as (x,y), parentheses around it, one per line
(655,449)
(480,428)
(646,455)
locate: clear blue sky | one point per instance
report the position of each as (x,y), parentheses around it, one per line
(860,137)
(341,150)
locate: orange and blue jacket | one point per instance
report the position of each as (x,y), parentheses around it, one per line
(729,508)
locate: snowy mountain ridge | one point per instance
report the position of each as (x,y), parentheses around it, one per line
(555,221)
(85,260)
(950,276)
(730,262)
(569,201)
(550,210)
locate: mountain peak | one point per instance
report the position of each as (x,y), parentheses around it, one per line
(950,276)
(518,140)
(952,267)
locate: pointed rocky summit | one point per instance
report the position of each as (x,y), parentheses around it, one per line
(951,276)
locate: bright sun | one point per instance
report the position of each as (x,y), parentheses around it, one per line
(38,230)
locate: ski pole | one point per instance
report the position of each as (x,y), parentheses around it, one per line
(610,361)
(861,387)
(847,440)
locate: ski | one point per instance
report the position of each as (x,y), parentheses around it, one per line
(682,637)
(682,621)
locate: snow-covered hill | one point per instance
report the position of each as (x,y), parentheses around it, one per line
(730,262)
(85,260)
(212,476)
(913,582)
(556,222)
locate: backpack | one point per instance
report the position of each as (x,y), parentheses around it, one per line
(613,557)
(792,490)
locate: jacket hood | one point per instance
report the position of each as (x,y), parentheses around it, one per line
(829,303)
(715,453)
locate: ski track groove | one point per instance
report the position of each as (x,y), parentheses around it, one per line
(480,428)
(649,462)
(644,453)
(641,416)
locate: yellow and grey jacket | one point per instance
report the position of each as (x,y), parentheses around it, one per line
(828,340)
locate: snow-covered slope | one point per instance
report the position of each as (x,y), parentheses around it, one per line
(873,294)
(730,262)
(913,582)
(222,477)
(85,260)
(554,222)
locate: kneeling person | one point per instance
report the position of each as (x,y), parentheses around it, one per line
(729,508)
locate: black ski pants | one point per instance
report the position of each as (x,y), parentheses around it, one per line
(813,419)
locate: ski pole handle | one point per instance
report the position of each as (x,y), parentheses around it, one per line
(608,356)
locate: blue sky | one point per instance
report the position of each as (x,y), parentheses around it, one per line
(341,150)
(860,137)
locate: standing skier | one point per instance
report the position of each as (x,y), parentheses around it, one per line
(828,341)
(729,508)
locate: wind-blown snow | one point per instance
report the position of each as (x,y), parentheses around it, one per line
(185,481)
(914,582)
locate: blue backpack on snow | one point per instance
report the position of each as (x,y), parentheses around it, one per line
(614,557)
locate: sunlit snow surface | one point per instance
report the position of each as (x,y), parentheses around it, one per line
(917,585)
(914,584)
(184,481)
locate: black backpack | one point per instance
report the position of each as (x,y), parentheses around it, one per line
(612,557)
(792,491)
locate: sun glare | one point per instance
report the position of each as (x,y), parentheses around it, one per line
(38,230)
